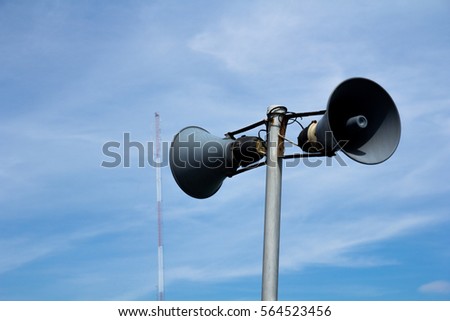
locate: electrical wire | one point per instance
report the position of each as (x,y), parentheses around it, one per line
(259,133)
(288,140)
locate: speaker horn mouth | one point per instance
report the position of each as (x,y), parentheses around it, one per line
(361,120)
(370,141)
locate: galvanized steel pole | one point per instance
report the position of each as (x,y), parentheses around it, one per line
(275,149)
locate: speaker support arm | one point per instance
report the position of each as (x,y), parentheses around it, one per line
(231,134)
(305,114)
(307,155)
(249,167)
(287,116)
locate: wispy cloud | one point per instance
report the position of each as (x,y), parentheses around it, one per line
(342,241)
(338,241)
(275,39)
(435,287)
(22,250)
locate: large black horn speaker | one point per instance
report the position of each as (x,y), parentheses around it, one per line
(361,120)
(200,161)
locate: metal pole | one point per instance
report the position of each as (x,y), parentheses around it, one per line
(159,210)
(275,148)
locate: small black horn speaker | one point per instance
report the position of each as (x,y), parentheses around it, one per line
(361,120)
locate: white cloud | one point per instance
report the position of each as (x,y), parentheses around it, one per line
(277,38)
(340,241)
(436,287)
(269,37)
(19,251)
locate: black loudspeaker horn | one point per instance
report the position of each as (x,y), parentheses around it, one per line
(361,120)
(200,162)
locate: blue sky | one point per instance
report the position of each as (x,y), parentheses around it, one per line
(77,74)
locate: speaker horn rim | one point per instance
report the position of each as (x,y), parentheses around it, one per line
(392,111)
(195,193)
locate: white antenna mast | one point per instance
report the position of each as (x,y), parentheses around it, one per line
(159,210)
